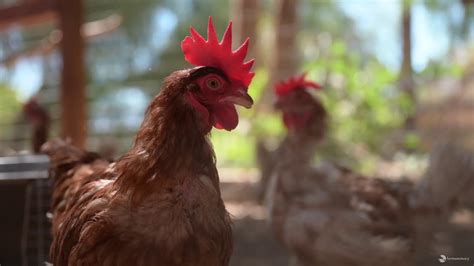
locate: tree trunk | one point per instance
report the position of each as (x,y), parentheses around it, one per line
(406,73)
(245,17)
(285,61)
(286,57)
(466,21)
(73,91)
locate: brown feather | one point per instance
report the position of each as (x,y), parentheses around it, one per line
(159,204)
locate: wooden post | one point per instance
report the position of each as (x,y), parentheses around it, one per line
(406,81)
(73,92)
(286,55)
(285,61)
(244,14)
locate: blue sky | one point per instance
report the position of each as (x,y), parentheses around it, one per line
(379,21)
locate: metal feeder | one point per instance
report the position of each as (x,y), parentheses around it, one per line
(25,193)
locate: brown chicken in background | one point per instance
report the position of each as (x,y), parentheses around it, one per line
(159,204)
(305,112)
(40,121)
(330,215)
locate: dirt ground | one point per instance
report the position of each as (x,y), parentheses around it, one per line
(256,246)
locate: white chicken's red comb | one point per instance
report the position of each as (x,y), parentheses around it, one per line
(295,83)
(211,52)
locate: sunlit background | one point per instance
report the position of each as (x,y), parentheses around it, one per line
(354,48)
(388,104)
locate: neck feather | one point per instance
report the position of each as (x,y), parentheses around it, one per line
(172,143)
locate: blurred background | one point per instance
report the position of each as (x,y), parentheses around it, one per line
(397,76)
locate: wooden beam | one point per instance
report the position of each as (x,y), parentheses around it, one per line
(90,31)
(27,13)
(73,92)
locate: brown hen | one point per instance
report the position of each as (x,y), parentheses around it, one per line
(330,215)
(40,120)
(159,204)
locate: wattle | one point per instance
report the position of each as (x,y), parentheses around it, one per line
(225,116)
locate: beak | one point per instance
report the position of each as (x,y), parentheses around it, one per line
(239,97)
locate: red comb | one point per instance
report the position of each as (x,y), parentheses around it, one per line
(32,102)
(295,83)
(211,52)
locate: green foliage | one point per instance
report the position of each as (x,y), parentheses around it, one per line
(362,98)
(233,149)
(412,141)
(436,69)
(9,106)
(238,148)
(363,101)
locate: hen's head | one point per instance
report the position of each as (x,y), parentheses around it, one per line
(31,106)
(221,78)
(301,110)
(34,112)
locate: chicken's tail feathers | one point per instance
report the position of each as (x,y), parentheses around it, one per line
(64,156)
(62,152)
(448,180)
(69,167)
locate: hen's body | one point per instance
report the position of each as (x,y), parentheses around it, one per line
(329,215)
(159,204)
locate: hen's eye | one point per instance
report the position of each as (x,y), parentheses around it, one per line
(213,83)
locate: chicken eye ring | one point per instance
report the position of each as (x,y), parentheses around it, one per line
(213,83)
